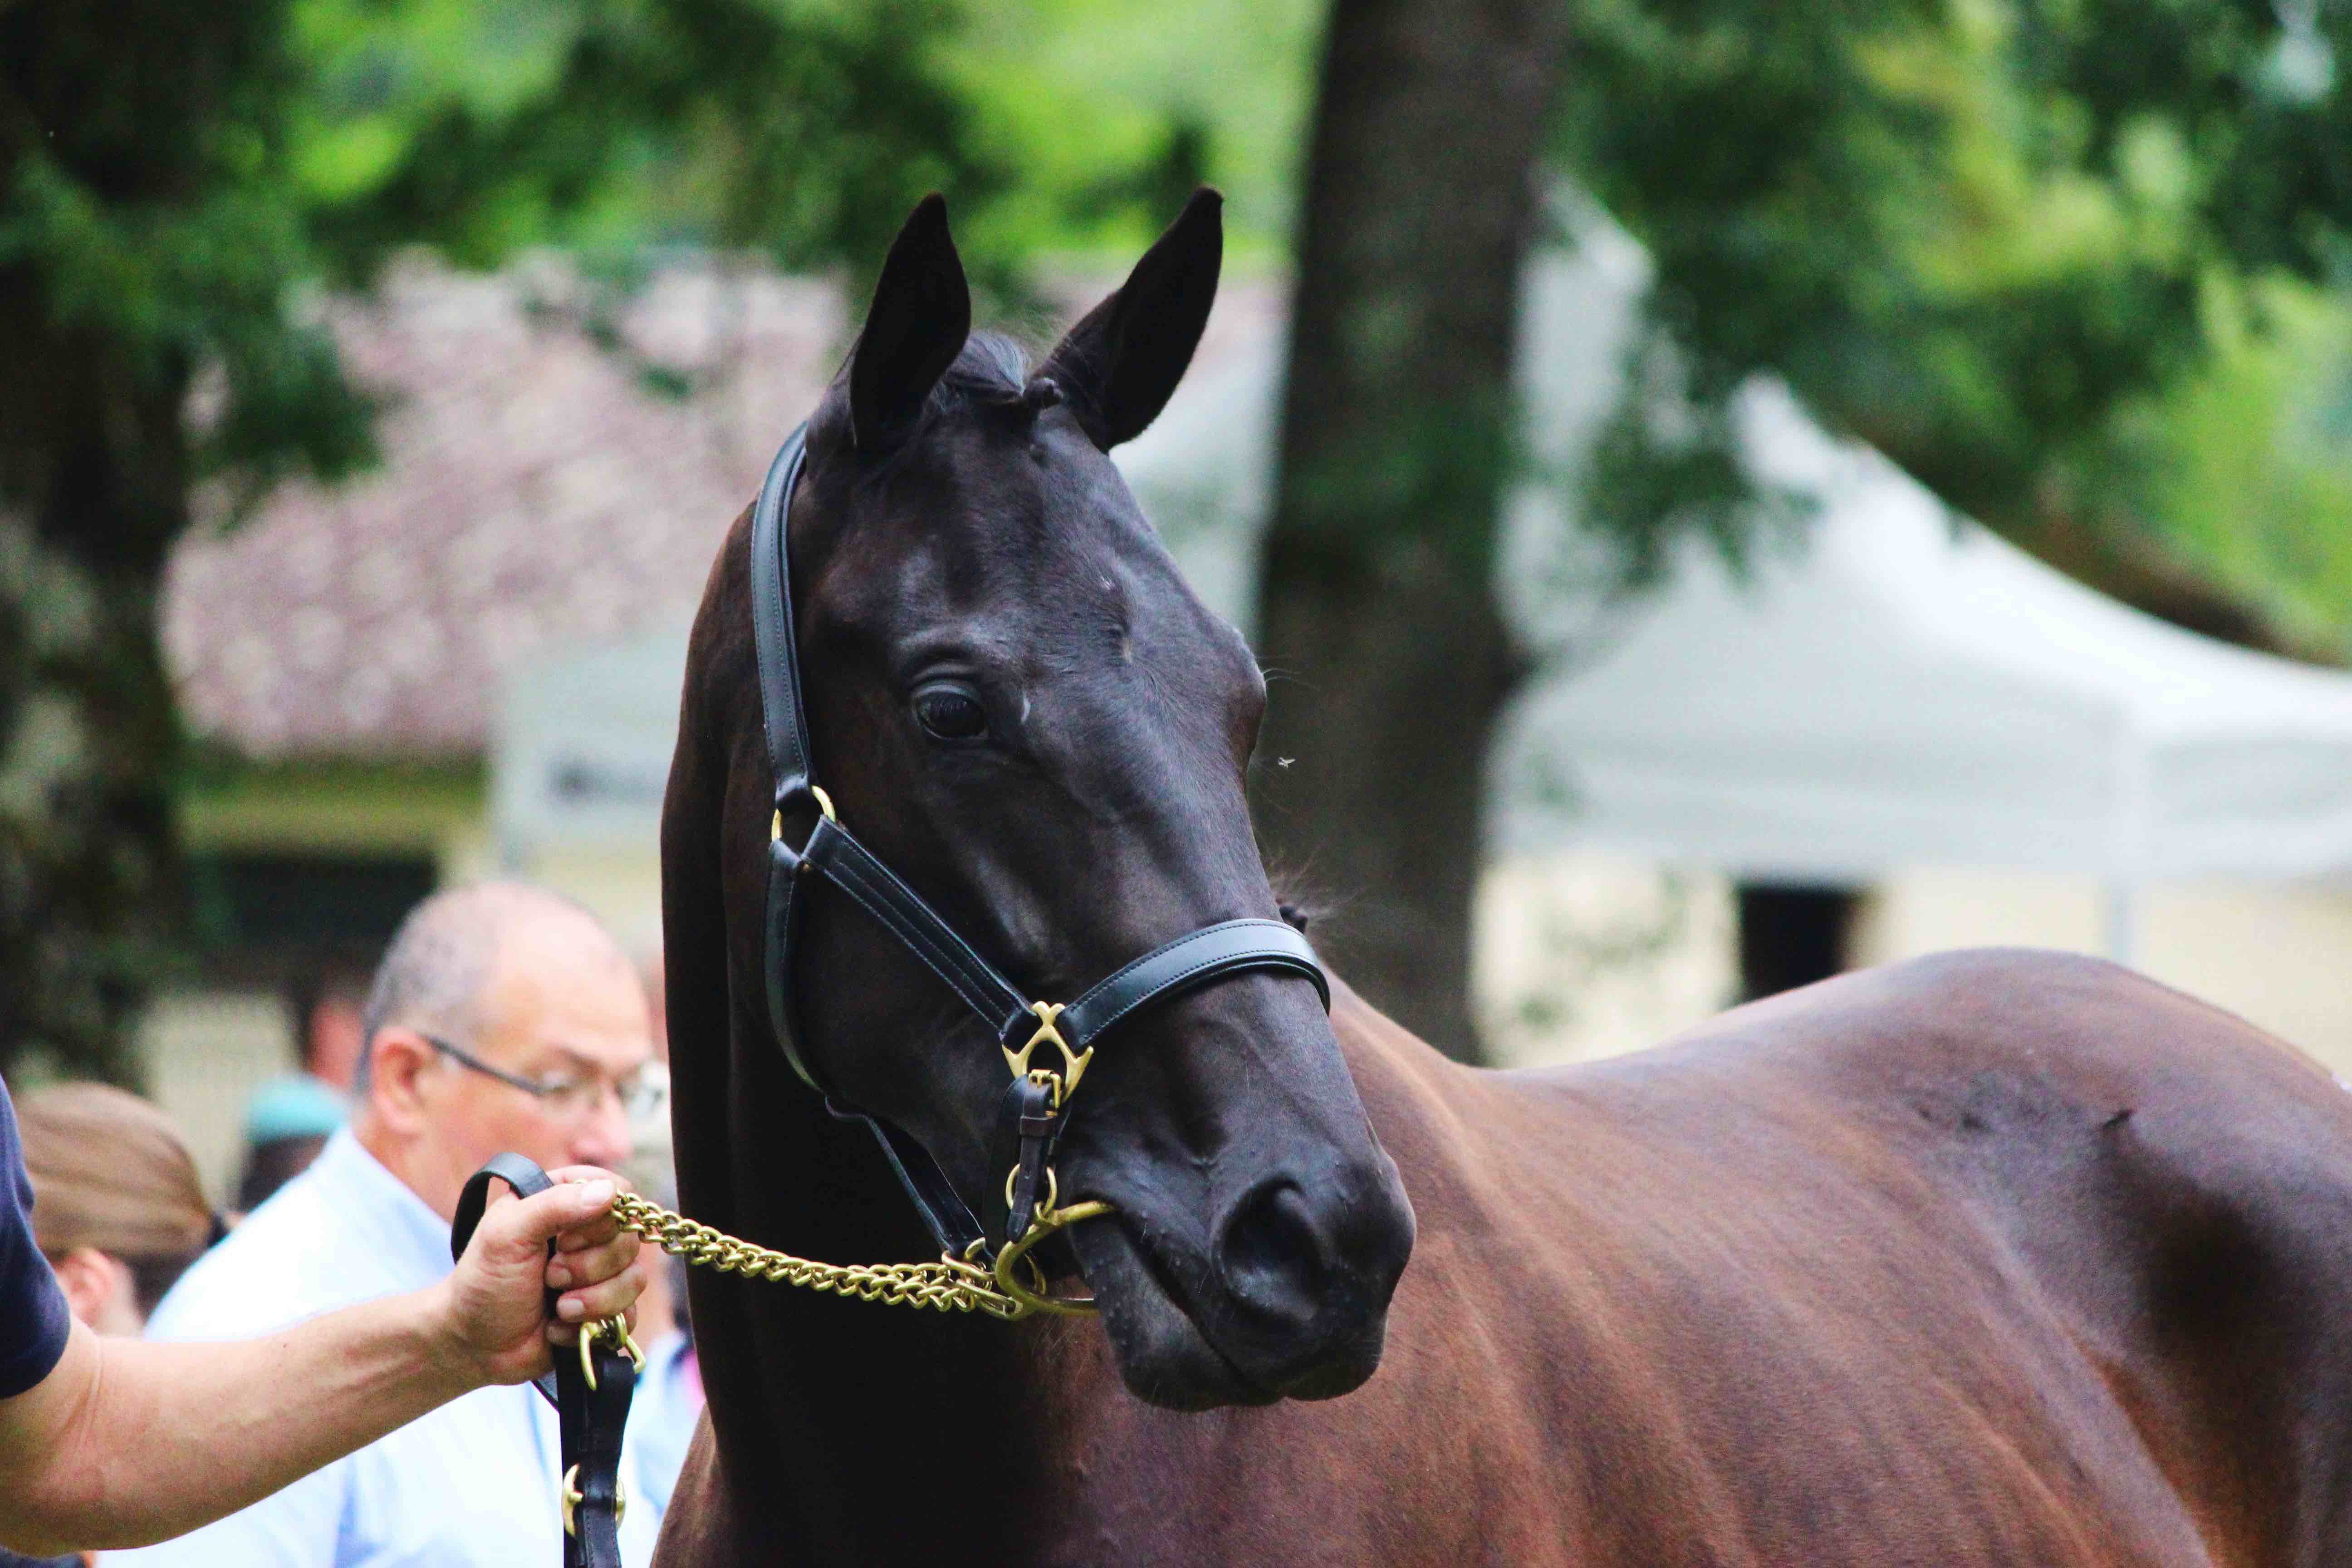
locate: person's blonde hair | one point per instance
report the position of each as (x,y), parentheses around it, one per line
(109,1172)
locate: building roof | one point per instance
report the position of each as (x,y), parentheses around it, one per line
(535,492)
(531,489)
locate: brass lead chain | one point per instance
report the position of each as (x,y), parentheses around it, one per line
(948,1285)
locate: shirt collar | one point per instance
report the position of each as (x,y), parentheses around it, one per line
(415,1240)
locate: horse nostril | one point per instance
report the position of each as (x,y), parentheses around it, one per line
(1273,1254)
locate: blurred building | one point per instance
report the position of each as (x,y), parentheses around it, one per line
(342,654)
(468,662)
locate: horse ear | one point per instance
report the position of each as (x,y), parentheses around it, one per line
(914,329)
(1120,364)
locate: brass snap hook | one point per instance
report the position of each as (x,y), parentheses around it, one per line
(617,1330)
(1029,1294)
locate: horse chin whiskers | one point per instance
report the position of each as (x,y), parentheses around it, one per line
(1163,1356)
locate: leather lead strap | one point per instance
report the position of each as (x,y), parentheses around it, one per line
(590,1420)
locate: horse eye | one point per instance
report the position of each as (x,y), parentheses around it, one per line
(951,713)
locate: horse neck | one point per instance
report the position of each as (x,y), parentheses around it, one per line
(824,1408)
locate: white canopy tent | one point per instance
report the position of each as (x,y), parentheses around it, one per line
(1910,689)
(1901,689)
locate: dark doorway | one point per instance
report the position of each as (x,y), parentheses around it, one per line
(1792,935)
(274,917)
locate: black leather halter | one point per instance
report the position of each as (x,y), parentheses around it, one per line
(1030,1120)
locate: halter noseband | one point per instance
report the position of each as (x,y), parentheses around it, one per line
(1030,1119)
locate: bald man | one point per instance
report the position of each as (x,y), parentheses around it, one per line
(503,1017)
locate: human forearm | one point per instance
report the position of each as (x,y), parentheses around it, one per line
(152,1441)
(125,1442)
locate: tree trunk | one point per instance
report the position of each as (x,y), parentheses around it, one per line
(1385,646)
(88,734)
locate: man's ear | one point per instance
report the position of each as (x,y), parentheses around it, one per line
(396,1061)
(1119,365)
(914,329)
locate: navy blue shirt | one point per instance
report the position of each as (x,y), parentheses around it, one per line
(33,1319)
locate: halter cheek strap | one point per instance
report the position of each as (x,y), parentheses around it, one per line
(1031,1115)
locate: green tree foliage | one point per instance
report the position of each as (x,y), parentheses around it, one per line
(2028,248)
(178,183)
(1112,110)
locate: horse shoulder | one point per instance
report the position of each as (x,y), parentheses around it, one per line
(1997,1224)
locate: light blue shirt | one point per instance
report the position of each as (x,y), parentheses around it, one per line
(663,1414)
(471,1483)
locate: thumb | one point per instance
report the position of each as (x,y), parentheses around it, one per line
(528,1225)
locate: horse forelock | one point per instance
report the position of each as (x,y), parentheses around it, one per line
(991,371)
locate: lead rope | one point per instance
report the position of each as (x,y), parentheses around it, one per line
(592,1408)
(1009,1287)
(951,1284)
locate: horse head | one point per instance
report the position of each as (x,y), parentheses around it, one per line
(1021,708)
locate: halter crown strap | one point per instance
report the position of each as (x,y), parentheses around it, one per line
(773,637)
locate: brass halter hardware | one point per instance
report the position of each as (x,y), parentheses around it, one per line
(569,1498)
(1010,1287)
(1074,1063)
(823,804)
(615,1329)
(1030,1295)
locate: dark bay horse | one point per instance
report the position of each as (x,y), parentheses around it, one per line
(1991,1258)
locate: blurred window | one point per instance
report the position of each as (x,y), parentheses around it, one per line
(277,907)
(1792,935)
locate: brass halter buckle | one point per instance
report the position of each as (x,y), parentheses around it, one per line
(1074,1063)
(569,1498)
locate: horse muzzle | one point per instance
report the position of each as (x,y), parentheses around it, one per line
(1285,1296)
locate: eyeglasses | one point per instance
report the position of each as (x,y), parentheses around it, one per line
(566,1097)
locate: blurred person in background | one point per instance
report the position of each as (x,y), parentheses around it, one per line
(117,1209)
(501,1017)
(654,975)
(291,1118)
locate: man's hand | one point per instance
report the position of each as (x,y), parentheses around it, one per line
(492,1313)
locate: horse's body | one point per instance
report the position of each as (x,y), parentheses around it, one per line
(1995,1259)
